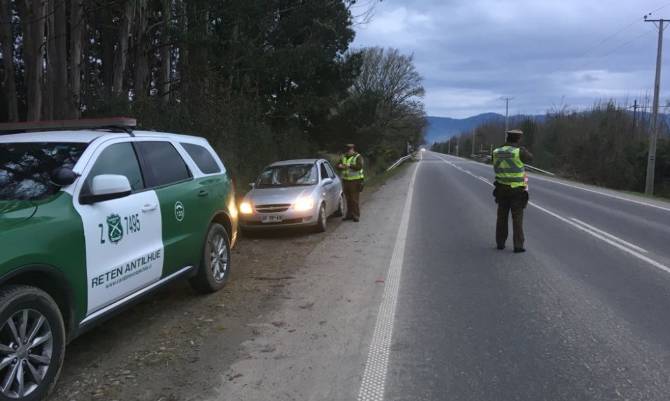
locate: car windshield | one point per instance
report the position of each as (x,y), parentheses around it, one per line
(26,168)
(288,176)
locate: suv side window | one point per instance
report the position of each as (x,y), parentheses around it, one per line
(324,171)
(162,164)
(119,159)
(331,172)
(202,158)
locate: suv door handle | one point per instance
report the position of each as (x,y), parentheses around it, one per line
(149,207)
(203,192)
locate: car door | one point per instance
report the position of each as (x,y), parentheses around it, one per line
(124,249)
(328,188)
(185,212)
(337,185)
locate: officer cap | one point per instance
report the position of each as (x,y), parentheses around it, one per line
(349,146)
(514,135)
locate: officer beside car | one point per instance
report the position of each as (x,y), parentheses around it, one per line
(511,188)
(351,168)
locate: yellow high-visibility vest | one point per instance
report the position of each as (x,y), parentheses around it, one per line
(347,173)
(508,166)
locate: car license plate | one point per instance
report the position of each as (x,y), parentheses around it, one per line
(271,219)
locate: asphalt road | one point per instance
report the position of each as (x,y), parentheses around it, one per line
(583,315)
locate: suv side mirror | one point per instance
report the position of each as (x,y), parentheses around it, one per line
(64,176)
(252,185)
(106,187)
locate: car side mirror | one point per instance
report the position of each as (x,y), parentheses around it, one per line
(252,185)
(64,176)
(107,187)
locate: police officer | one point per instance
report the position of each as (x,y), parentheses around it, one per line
(511,188)
(351,168)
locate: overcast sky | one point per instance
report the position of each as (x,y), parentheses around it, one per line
(544,53)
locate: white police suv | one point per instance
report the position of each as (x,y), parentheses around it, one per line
(93,215)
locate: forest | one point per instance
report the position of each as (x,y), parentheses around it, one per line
(261,79)
(606,145)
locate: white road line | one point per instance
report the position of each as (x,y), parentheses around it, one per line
(614,196)
(610,236)
(600,236)
(374,376)
(622,198)
(605,239)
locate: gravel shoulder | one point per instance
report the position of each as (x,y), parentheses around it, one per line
(293,323)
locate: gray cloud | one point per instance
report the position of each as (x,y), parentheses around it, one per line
(544,53)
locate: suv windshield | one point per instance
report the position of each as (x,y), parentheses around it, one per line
(288,176)
(26,168)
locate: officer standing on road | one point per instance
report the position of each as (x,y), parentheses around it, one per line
(351,167)
(511,188)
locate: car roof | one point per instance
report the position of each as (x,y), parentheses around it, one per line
(87,136)
(294,161)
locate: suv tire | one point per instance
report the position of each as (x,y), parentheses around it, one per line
(32,315)
(215,265)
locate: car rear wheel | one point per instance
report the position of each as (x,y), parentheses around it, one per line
(322,220)
(215,265)
(342,207)
(32,343)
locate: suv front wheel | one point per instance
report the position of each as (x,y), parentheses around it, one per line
(32,343)
(215,266)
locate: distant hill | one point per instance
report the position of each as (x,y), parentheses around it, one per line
(442,128)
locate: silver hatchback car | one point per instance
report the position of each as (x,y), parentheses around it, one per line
(293,193)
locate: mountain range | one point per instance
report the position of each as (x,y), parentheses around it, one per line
(442,128)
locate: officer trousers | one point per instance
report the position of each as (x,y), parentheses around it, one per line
(510,200)
(352,190)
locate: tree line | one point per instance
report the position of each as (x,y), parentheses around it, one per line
(261,79)
(606,145)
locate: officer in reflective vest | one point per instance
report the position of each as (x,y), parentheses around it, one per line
(511,188)
(351,168)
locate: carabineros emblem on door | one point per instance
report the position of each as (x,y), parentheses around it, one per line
(179,211)
(114,228)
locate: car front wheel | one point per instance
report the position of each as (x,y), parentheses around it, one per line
(322,220)
(32,343)
(342,207)
(215,266)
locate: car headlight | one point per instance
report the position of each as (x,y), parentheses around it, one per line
(304,203)
(245,208)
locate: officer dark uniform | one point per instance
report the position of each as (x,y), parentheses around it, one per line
(511,188)
(351,167)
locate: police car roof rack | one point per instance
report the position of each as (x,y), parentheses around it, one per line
(123,124)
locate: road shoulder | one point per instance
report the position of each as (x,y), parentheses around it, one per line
(314,344)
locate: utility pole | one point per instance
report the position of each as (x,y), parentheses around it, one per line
(651,158)
(506,99)
(635,107)
(474,134)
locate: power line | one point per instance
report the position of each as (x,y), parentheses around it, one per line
(617,32)
(616,49)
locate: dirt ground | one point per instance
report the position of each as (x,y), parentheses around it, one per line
(176,344)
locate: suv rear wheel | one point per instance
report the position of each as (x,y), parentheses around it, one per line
(32,343)
(215,266)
